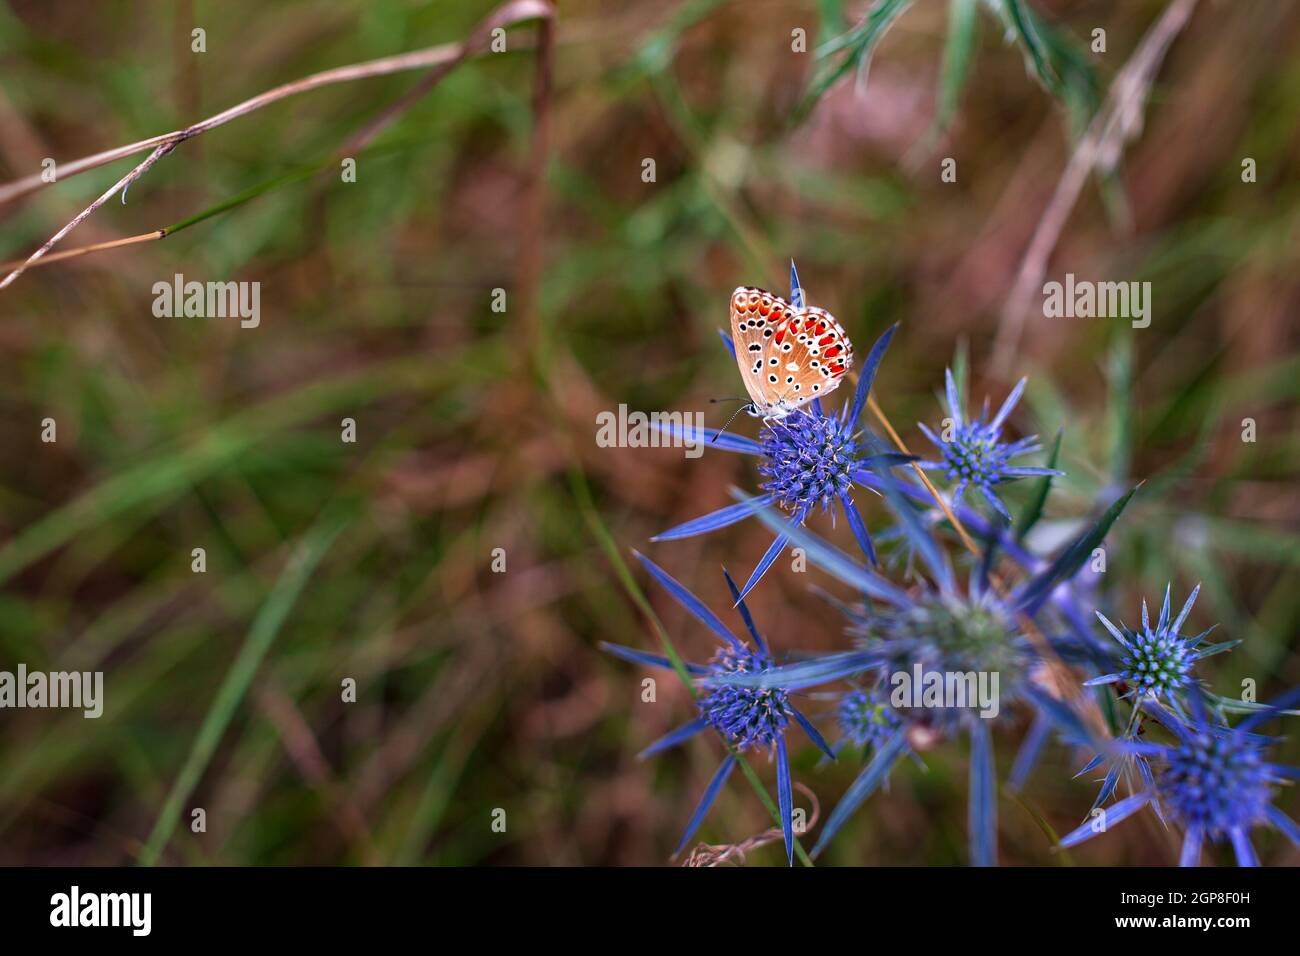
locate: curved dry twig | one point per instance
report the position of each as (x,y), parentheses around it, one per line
(158,153)
(710,854)
(1117,122)
(443,59)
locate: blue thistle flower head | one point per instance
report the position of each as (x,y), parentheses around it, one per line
(976,456)
(865,719)
(1157,661)
(745,716)
(808,460)
(936,627)
(1214,781)
(950,634)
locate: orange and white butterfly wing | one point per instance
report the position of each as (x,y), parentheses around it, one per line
(813,353)
(787,357)
(756,318)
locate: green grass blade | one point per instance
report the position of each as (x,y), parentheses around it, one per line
(261,634)
(1025,27)
(1119,406)
(1063,855)
(957,49)
(293,176)
(1034,510)
(441,785)
(857,45)
(830,14)
(961,371)
(1053,58)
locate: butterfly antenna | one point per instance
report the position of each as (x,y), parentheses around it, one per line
(733,414)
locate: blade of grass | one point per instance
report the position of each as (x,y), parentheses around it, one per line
(858,44)
(1025,27)
(957,49)
(292,176)
(1119,406)
(1034,510)
(261,634)
(1063,855)
(437,792)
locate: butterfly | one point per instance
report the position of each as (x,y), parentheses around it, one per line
(788,355)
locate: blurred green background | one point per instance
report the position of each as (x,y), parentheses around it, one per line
(475,428)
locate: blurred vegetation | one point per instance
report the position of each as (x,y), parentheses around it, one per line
(479,690)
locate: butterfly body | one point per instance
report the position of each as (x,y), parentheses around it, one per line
(787,355)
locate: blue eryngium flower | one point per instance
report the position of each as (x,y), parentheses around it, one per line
(1213,781)
(975,456)
(807,460)
(865,719)
(1153,663)
(745,717)
(1157,662)
(935,626)
(936,634)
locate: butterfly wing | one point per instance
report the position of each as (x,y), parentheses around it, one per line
(813,355)
(757,318)
(787,357)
